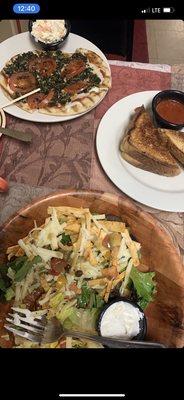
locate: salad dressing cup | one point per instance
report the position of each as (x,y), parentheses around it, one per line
(142,324)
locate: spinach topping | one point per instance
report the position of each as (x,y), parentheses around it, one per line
(20,63)
(79,56)
(54,81)
(46,83)
(86,74)
(61,58)
(60,97)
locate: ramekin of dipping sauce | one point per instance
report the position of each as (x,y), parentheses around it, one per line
(168,109)
(122,318)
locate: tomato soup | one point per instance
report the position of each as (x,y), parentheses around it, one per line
(171,110)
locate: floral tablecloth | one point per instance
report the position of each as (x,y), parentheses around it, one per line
(63,155)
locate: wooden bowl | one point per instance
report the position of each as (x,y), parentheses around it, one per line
(165,316)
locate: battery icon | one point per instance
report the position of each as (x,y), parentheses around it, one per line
(168,10)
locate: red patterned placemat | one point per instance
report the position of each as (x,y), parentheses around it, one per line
(127,80)
(1,145)
(63,154)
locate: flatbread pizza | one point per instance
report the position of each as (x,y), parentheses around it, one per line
(70,83)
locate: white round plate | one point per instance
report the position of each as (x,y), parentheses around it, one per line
(160,192)
(22,43)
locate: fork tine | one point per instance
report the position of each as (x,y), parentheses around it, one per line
(31,321)
(25,335)
(21,310)
(26,312)
(25,327)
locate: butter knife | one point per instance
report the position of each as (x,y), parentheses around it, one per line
(23,136)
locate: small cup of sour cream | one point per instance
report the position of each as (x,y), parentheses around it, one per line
(123,319)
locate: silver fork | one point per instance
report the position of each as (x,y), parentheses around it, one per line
(38,329)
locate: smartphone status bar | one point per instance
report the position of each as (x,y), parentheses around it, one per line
(61,10)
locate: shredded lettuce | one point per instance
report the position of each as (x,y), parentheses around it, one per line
(13,272)
(25,268)
(9,294)
(89,298)
(81,319)
(84,298)
(66,311)
(77,318)
(56,300)
(144,285)
(16,264)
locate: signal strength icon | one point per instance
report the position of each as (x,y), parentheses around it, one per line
(145,11)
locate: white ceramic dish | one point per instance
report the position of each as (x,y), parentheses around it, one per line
(160,192)
(22,43)
(2,120)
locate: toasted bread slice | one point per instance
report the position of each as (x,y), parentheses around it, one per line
(150,144)
(146,148)
(147,166)
(175,142)
(131,155)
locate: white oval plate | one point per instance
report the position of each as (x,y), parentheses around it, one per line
(22,43)
(160,192)
(2,120)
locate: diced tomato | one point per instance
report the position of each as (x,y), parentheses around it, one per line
(39,100)
(76,87)
(46,100)
(35,100)
(58,266)
(22,82)
(73,287)
(3,185)
(45,65)
(73,68)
